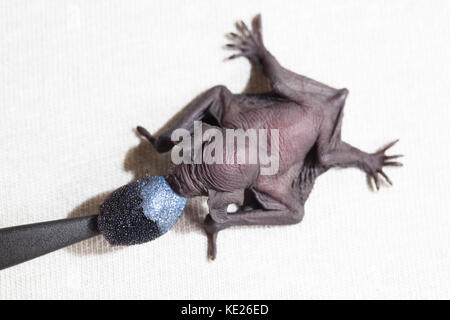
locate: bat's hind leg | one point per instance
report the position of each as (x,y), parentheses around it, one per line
(212,225)
(210,103)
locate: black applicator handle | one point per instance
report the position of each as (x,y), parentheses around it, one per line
(22,243)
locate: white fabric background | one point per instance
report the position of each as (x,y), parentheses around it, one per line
(77,77)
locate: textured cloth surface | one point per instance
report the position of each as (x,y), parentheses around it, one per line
(77,77)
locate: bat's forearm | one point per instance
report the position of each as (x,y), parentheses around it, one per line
(283,81)
(269,65)
(290,84)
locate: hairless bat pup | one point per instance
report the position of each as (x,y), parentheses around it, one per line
(308,115)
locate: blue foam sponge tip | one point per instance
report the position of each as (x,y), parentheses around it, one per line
(140,211)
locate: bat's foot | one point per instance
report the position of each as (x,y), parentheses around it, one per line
(378,160)
(247,42)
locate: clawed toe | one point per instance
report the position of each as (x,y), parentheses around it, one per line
(212,245)
(144,132)
(212,228)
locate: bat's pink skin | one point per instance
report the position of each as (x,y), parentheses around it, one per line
(308,115)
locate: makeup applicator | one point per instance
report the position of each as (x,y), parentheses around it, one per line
(133,214)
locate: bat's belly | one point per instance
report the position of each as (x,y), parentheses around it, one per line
(296,127)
